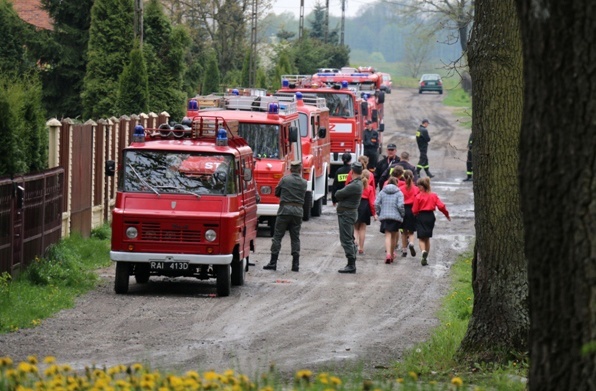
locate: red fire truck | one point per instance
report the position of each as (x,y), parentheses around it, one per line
(270,127)
(346,123)
(186,205)
(316,147)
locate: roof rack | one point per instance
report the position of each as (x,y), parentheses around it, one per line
(198,127)
(308,98)
(259,103)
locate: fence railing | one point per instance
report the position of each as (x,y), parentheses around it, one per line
(74,195)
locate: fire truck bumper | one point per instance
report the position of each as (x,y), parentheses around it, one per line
(193,259)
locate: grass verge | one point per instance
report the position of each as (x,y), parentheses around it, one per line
(52,283)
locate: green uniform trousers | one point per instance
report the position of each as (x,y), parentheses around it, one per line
(284,223)
(346,220)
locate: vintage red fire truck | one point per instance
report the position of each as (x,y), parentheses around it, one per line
(186,205)
(316,147)
(270,127)
(346,123)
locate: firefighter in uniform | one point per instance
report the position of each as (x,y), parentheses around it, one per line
(341,175)
(347,213)
(422,139)
(469,171)
(290,190)
(370,142)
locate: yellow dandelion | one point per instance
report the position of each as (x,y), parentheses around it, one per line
(399,380)
(32,360)
(137,367)
(413,375)
(432,382)
(229,372)
(5,362)
(268,388)
(304,374)
(457,381)
(23,367)
(49,360)
(52,370)
(335,380)
(66,368)
(193,375)
(211,376)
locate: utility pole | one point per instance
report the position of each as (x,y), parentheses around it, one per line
(252,68)
(327,21)
(301,21)
(343,20)
(138,22)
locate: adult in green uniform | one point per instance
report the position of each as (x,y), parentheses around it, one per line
(290,190)
(347,213)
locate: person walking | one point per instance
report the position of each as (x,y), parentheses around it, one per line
(409,190)
(370,141)
(423,208)
(371,179)
(347,213)
(404,161)
(469,171)
(366,210)
(291,190)
(422,139)
(390,207)
(384,163)
(340,177)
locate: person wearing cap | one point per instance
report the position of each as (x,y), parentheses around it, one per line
(348,200)
(291,190)
(384,163)
(340,177)
(370,141)
(403,161)
(422,139)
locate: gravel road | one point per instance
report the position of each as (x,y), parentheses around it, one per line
(316,319)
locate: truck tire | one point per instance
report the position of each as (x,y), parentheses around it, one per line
(307,206)
(224,280)
(141,273)
(121,281)
(238,270)
(381,97)
(317,207)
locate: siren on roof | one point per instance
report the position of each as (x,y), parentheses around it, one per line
(299,95)
(138,135)
(235,92)
(193,105)
(285,83)
(344,84)
(222,137)
(273,108)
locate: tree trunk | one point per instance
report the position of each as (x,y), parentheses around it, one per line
(499,323)
(557,168)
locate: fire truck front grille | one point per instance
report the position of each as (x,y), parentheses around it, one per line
(336,146)
(155,233)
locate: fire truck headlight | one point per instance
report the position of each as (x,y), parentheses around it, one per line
(210,235)
(265,189)
(132,233)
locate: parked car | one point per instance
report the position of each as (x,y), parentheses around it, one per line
(386,84)
(431,82)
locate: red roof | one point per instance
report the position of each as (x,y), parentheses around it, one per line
(32,12)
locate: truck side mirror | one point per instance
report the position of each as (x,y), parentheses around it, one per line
(322,133)
(293,134)
(382,127)
(110,168)
(247,174)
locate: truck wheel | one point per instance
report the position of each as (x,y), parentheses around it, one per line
(224,283)
(238,270)
(307,206)
(381,97)
(141,273)
(121,282)
(317,207)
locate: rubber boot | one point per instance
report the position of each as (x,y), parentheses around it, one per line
(468,179)
(272,265)
(350,267)
(428,173)
(295,262)
(418,169)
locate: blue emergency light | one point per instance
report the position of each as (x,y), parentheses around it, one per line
(273,108)
(299,95)
(344,84)
(222,137)
(138,135)
(285,83)
(193,105)
(235,92)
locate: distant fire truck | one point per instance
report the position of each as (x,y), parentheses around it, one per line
(186,204)
(346,122)
(270,127)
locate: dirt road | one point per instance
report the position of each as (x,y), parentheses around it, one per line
(313,319)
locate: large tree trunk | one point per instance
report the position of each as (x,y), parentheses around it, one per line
(558,187)
(499,323)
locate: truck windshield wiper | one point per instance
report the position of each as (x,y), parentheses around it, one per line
(143,181)
(180,189)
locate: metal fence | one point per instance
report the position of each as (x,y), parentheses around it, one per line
(74,195)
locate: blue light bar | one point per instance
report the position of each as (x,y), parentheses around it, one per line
(222,137)
(193,105)
(235,92)
(360,74)
(285,83)
(273,108)
(344,84)
(299,95)
(325,74)
(138,136)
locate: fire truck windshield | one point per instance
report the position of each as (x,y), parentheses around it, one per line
(173,172)
(262,138)
(340,105)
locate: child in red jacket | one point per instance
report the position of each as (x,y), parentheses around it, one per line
(424,207)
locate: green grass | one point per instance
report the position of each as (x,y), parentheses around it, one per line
(457,97)
(51,284)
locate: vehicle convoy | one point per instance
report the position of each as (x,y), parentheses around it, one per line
(186,204)
(346,123)
(313,125)
(270,127)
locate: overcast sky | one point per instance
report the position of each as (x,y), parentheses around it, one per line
(352,6)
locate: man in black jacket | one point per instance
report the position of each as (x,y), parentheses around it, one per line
(422,139)
(384,163)
(469,171)
(370,141)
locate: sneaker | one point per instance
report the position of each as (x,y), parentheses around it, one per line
(424,261)
(388,259)
(404,254)
(412,249)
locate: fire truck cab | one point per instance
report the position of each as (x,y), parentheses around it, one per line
(270,127)
(186,205)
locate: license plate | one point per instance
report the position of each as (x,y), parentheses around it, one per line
(171,266)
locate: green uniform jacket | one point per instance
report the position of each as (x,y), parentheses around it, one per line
(349,197)
(291,190)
